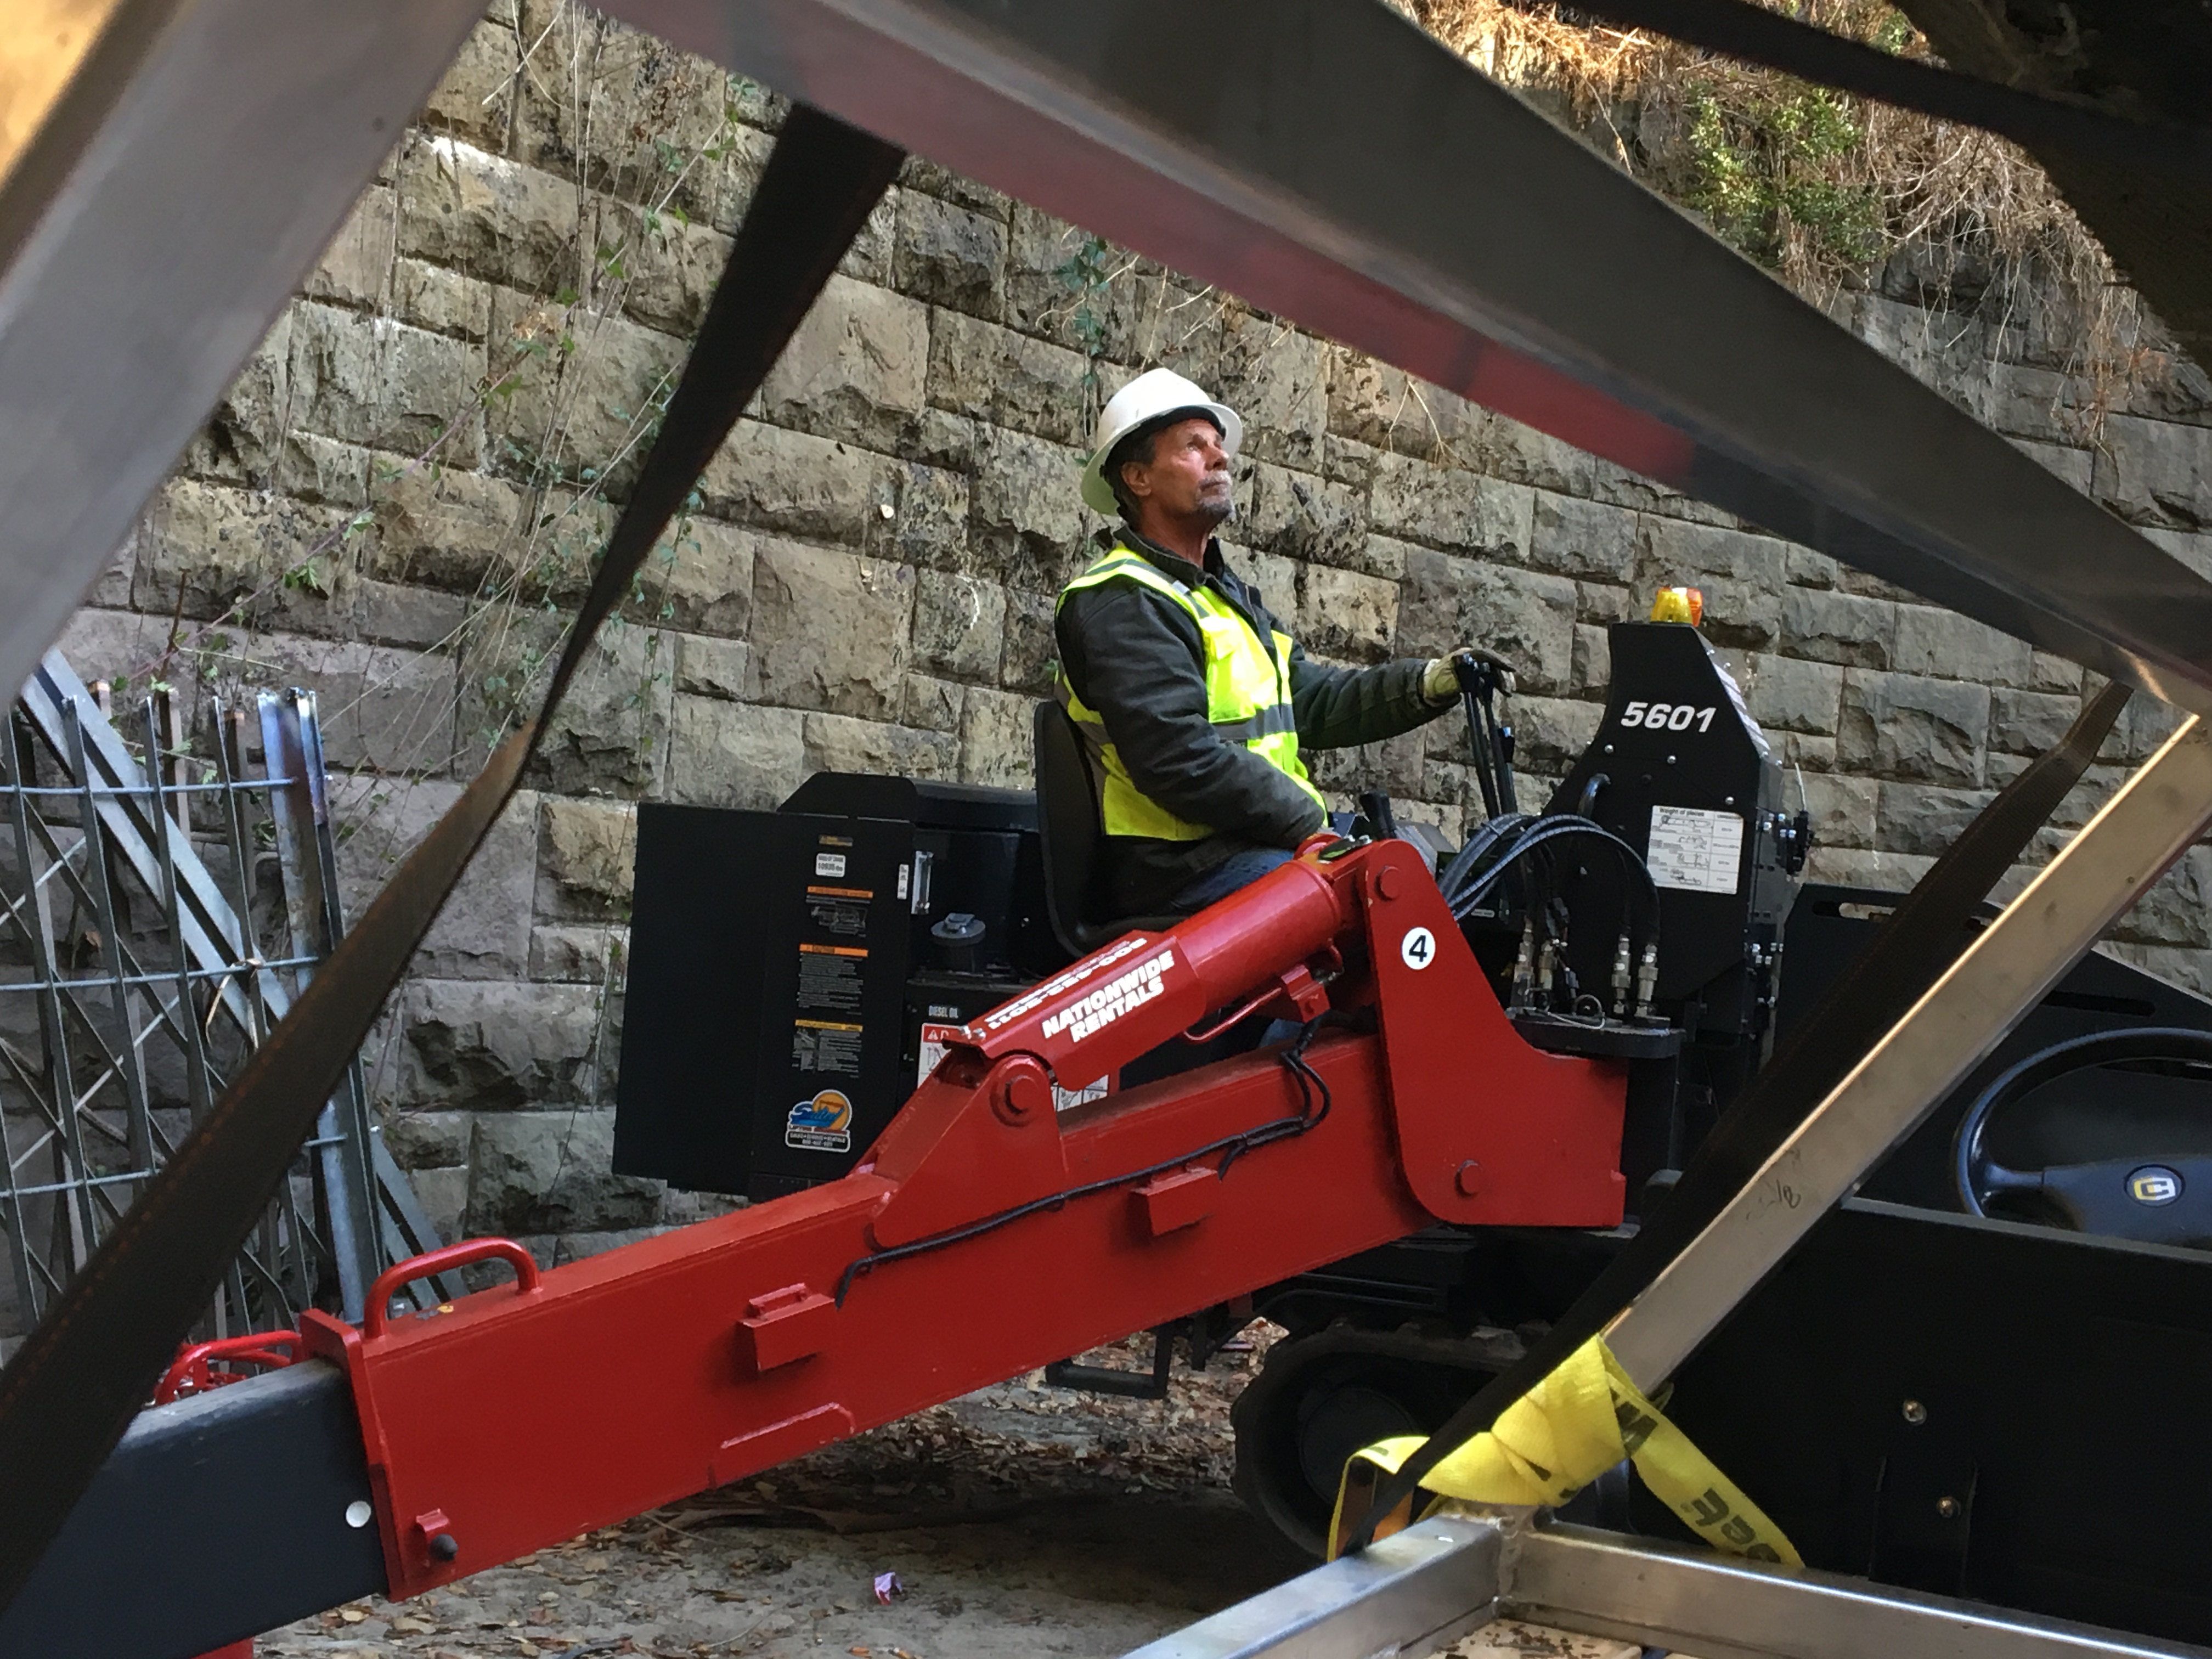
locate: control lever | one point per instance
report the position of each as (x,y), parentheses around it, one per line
(1492,742)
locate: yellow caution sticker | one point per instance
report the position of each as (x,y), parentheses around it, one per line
(1557,1438)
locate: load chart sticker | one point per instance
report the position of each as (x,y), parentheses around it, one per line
(1695,851)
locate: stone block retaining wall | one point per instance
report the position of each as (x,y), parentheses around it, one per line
(399,497)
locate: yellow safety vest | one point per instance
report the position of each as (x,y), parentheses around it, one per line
(1248,699)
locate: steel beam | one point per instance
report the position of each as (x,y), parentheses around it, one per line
(1668,1596)
(2157,815)
(198,157)
(1330,163)
(1410,1594)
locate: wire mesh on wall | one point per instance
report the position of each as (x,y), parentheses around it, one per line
(161,907)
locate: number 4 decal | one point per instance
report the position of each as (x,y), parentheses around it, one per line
(1417,949)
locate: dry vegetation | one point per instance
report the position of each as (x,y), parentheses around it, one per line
(1829,191)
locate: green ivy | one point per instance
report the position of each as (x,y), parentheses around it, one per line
(1765,163)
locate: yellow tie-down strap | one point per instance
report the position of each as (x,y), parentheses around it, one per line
(1553,1441)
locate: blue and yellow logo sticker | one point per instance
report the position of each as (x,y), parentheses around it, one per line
(823,1124)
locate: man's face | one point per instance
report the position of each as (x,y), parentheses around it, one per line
(1188,478)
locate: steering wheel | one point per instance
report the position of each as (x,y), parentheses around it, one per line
(2162,1196)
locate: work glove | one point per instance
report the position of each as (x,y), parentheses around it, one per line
(1440,681)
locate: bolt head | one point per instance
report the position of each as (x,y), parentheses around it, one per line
(1914,1412)
(1469,1180)
(1947,1508)
(1389,883)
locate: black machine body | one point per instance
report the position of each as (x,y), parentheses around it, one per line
(784,967)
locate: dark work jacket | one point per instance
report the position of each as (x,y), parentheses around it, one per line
(1137,657)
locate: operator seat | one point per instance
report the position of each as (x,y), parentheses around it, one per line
(1067,827)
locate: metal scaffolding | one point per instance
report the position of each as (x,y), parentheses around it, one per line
(161,905)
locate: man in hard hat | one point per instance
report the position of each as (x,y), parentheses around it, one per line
(1192,701)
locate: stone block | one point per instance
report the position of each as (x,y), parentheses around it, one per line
(857,367)
(1914,730)
(672,267)
(1506,449)
(383,710)
(482,931)
(1027,521)
(1526,615)
(1850,867)
(1386,409)
(830,629)
(494,1045)
(1838,628)
(2034,403)
(355,270)
(997,738)
(798,484)
(733,754)
(700,578)
(917,172)
(1273,375)
(586,383)
(1806,568)
(2177,911)
(1601,602)
(2029,722)
(128,648)
(1843,809)
(959,625)
(2142,728)
(1744,577)
(982,372)
(475,96)
(206,549)
(370,380)
(587,852)
(1342,614)
(1450,510)
(950,256)
(1916,818)
(427,1140)
(1551,734)
(932,705)
(1942,642)
(2154,471)
(1032,657)
(2075,467)
(486,216)
(1787,694)
(244,437)
(609,736)
(1592,674)
(839,742)
(444,301)
(578,954)
(713,668)
(1572,537)
(2048,672)
(444,528)
(1273,577)
(444,1195)
(1305,516)
(552,1172)
(323,471)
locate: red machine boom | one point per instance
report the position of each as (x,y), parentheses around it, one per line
(988,1234)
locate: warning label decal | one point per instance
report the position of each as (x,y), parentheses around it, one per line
(1695,851)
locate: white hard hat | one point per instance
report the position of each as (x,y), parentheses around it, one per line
(1156,392)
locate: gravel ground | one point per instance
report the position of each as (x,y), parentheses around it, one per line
(1020,1520)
